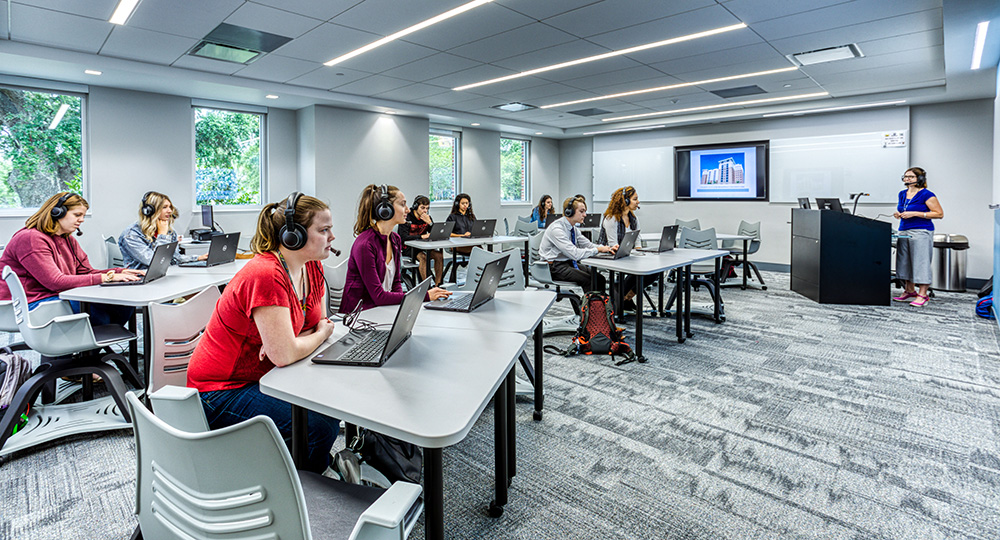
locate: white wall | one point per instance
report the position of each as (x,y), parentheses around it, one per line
(952,141)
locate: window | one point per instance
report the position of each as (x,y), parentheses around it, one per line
(41,146)
(228,156)
(514,170)
(445,152)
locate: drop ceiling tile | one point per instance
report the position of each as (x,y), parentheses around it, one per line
(599,18)
(573,74)
(95,9)
(484,21)
(276,68)
(479,73)
(546,9)
(189,18)
(145,45)
(571,50)
(384,17)
(627,79)
(845,16)
(207,64)
(715,72)
(859,33)
(521,40)
(388,56)
(535,94)
(44,27)
(747,59)
(3,20)
(323,10)
(326,42)
(683,24)
(916,40)
(755,11)
(431,67)
(446,99)
(928,59)
(732,40)
(325,78)
(372,85)
(274,21)
(413,92)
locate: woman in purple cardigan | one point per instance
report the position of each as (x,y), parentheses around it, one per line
(373,272)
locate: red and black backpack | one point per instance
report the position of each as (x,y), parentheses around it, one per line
(597,333)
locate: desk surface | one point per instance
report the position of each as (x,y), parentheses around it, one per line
(654,263)
(509,311)
(171,286)
(228,269)
(464,242)
(430,392)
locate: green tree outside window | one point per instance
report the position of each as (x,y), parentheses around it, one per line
(227,157)
(513,170)
(443,167)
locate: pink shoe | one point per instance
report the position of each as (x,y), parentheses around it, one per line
(921,301)
(906,296)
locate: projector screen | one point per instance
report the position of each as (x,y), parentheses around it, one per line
(722,172)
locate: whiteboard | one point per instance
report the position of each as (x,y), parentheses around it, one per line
(836,166)
(650,170)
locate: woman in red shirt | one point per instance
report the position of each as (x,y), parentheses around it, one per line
(271,314)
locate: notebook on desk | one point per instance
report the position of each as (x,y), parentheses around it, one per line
(440,231)
(158,265)
(483,228)
(372,348)
(222,251)
(624,248)
(466,302)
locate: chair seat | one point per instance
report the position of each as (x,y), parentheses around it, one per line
(334,506)
(111,333)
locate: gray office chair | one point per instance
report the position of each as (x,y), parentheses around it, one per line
(735,247)
(701,274)
(524,228)
(336,279)
(692,224)
(540,273)
(512,278)
(239,482)
(69,346)
(112,253)
(175,330)
(525,219)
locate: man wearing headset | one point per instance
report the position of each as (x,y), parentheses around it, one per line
(563,247)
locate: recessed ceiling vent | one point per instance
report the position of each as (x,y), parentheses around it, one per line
(589,112)
(515,106)
(830,54)
(727,93)
(237,44)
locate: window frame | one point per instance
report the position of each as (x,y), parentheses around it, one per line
(234,108)
(456,134)
(526,171)
(66,89)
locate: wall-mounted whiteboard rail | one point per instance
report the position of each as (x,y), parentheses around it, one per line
(650,170)
(836,166)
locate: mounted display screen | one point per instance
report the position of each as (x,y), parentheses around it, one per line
(722,172)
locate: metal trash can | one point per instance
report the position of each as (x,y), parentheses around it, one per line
(948,264)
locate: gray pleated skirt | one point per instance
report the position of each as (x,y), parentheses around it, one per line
(913,256)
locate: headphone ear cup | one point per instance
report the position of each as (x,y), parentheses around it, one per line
(58,212)
(384,210)
(292,238)
(568,211)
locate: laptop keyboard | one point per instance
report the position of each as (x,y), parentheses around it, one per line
(369,350)
(120,283)
(461,302)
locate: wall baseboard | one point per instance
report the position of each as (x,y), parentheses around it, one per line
(971,284)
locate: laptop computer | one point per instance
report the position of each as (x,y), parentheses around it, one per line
(829,204)
(591,220)
(668,239)
(372,348)
(441,231)
(222,251)
(624,248)
(158,265)
(487,287)
(804,203)
(483,228)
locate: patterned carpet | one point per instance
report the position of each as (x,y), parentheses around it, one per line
(791,420)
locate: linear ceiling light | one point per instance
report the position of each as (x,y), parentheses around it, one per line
(123,11)
(611,54)
(670,87)
(719,106)
(623,130)
(59,115)
(828,109)
(407,31)
(977,49)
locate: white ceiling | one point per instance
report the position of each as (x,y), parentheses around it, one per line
(917,50)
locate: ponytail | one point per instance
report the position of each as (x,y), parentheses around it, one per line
(366,206)
(272,219)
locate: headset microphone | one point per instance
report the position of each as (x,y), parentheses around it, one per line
(335,251)
(79,232)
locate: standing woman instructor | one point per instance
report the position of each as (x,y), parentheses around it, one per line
(916,208)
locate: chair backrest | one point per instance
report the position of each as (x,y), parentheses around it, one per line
(196,485)
(176,330)
(693,224)
(534,244)
(526,219)
(512,278)
(506,227)
(750,229)
(524,228)
(694,239)
(112,253)
(7,322)
(41,331)
(336,278)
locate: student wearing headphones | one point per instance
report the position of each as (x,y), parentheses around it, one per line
(916,208)
(464,217)
(544,213)
(48,260)
(373,272)
(155,226)
(620,218)
(563,247)
(272,313)
(418,221)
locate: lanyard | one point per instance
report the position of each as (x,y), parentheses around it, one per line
(302,300)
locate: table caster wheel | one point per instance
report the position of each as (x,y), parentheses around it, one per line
(536,416)
(495,510)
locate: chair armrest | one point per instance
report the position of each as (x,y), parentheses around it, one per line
(51,310)
(390,509)
(540,271)
(180,407)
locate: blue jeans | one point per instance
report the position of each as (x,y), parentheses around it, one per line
(100,314)
(228,407)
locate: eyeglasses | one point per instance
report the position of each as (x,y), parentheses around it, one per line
(905,176)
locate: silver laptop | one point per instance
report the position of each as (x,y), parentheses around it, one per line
(158,265)
(487,287)
(483,228)
(373,347)
(591,220)
(222,251)
(668,240)
(624,248)
(441,231)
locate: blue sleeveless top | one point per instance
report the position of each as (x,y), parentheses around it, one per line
(917,204)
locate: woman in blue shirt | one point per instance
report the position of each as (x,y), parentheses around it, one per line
(916,208)
(543,214)
(155,226)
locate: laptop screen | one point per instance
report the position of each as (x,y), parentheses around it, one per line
(405,318)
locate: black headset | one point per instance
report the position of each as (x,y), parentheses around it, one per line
(384,209)
(921,178)
(59,210)
(292,235)
(147,209)
(629,193)
(568,211)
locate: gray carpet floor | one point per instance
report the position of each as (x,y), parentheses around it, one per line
(790,420)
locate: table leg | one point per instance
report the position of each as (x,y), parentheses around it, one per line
(687,301)
(147,344)
(454,266)
(659,311)
(527,255)
(539,395)
(746,265)
(433,494)
(511,426)
(133,346)
(679,307)
(638,319)
(500,449)
(718,290)
(300,429)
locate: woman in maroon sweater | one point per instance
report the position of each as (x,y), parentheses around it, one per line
(48,260)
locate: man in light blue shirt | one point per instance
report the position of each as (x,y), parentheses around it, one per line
(563,247)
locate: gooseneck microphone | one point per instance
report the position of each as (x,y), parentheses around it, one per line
(857,197)
(335,251)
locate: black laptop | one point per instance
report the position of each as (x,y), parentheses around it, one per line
(624,248)
(222,251)
(668,239)
(483,228)
(372,348)
(158,265)
(441,231)
(485,289)
(591,220)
